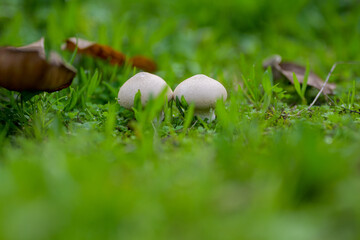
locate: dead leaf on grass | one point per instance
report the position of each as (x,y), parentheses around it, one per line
(94,50)
(27,69)
(287,69)
(105,52)
(143,63)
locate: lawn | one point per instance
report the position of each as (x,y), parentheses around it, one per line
(74,164)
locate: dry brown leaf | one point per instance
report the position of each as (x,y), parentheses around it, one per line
(95,50)
(287,69)
(107,53)
(26,69)
(143,63)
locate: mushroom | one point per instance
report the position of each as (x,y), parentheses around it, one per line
(203,92)
(149,85)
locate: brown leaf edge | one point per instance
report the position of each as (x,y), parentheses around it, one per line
(105,52)
(287,69)
(27,69)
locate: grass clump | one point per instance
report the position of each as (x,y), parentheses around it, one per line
(74,164)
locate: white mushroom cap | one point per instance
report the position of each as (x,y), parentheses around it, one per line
(201,90)
(149,85)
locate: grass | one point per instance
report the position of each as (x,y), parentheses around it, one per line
(75,165)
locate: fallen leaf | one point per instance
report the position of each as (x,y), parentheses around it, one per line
(105,52)
(143,63)
(94,50)
(287,69)
(27,69)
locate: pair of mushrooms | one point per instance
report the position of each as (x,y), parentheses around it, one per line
(200,90)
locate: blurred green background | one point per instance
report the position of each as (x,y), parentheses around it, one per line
(186,33)
(85,171)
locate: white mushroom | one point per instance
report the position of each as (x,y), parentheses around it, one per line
(203,92)
(149,85)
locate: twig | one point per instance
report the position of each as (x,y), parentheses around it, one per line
(327,79)
(344,108)
(352,111)
(323,86)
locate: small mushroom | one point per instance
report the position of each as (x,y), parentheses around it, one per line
(203,92)
(149,85)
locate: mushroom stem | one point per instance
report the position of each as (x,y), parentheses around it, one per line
(159,119)
(205,114)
